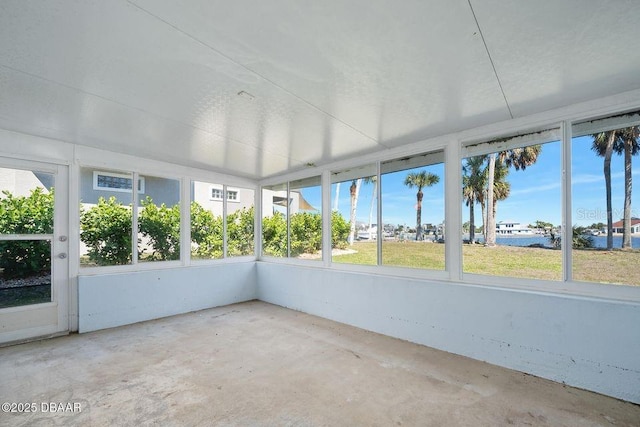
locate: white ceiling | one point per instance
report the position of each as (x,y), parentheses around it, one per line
(330,79)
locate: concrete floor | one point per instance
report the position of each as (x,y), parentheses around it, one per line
(259,364)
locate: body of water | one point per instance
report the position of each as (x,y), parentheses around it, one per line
(599,241)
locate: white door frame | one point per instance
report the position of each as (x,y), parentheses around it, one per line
(51,318)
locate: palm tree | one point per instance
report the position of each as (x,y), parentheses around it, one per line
(354,190)
(420,180)
(473,182)
(629,145)
(603,146)
(371,180)
(520,158)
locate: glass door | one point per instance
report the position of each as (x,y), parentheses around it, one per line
(33,250)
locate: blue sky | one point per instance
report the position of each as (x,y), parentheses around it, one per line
(535,192)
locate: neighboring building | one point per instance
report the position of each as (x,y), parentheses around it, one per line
(618,226)
(96,183)
(512,228)
(210,197)
(21,182)
(276,201)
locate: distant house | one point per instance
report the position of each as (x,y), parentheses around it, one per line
(512,228)
(21,182)
(618,226)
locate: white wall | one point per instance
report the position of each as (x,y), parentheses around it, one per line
(587,343)
(110,300)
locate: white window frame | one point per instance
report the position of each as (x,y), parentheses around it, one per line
(216,188)
(96,173)
(237,195)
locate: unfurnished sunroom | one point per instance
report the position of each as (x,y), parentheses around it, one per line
(454,176)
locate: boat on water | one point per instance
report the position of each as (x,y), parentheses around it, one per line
(368,234)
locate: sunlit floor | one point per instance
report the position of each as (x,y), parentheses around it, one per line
(259,364)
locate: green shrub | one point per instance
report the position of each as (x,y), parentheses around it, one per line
(161,225)
(206,233)
(240,240)
(306,233)
(106,231)
(339,230)
(579,239)
(32,214)
(274,235)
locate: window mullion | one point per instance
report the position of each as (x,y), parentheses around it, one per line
(134,218)
(567,231)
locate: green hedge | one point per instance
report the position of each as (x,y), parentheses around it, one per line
(306,233)
(31,214)
(106,232)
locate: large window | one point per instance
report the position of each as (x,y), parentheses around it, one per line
(211,215)
(413,228)
(207,213)
(159,220)
(605,209)
(239,222)
(292,219)
(275,220)
(354,219)
(306,218)
(512,207)
(105,219)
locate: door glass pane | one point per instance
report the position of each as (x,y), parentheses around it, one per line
(26,207)
(26,202)
(25,272)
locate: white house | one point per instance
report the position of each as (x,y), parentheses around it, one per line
(618,226)
(512,228)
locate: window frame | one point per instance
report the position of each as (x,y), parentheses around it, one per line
(97,173)
(456,147)
(129,169)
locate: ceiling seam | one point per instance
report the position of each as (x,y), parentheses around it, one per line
(228,58)
(495,72)
(159,116)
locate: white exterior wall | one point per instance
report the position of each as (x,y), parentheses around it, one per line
(19,182)
(584,342)
(267,201)
(202,195)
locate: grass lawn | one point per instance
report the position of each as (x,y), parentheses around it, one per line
(534,263)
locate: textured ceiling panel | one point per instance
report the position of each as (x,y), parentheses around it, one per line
(116,52)
(60,112)
(326,80)
(550,53)
(397,71)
